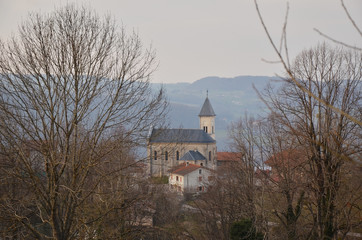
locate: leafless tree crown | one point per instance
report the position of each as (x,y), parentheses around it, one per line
(72,86)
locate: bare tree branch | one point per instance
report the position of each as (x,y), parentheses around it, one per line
(286,66)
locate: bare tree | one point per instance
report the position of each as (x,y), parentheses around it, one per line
(353,117)
(286,186)
(68,80)
(222,205)
(275,197)
(329,138)
(282,53)
(234,195)
(245,135)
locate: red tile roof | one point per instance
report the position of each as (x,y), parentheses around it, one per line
(186,169)
(287,158)
(228,156)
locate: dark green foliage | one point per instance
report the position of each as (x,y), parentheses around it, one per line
(244,230)
(160,180)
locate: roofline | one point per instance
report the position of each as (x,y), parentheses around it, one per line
(177,129)
(202,167)
(178,142)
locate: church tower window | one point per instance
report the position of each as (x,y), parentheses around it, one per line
(166,155)
(155,155)
(205,129)
(177,155)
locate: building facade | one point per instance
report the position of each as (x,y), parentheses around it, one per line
(168,148)
(190,178)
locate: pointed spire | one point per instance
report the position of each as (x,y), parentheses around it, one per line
(207,109)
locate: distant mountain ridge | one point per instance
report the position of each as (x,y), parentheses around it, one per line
(231,98)
(229,84)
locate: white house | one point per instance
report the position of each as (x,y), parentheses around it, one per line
(191,178)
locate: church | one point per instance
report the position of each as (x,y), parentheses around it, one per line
(168,148)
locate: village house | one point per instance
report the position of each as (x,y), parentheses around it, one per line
(191,178)
(225,159)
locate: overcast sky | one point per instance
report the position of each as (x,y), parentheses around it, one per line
(200,38)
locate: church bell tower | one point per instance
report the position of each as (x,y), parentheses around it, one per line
(207,118)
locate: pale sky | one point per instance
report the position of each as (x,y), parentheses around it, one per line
(199,38)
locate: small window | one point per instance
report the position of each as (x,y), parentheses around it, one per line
(201,164)
(166,155)
(177,155)
(200,189)
(213,129)
(199,171)
(180,179)
(155,155)
(176,178)
(209,155)
(200,178)
(205,129)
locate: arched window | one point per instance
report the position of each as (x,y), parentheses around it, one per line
(213,129)
(205,129)
(155,155)
(177,155)
(166,155)
(209,155)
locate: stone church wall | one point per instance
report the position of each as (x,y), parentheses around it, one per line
(166,156)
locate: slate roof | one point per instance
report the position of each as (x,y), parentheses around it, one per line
(207,109)
(192,155)
(180,136)
(186,169)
